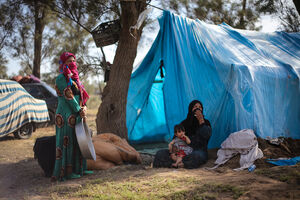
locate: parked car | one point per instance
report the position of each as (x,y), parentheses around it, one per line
(45,92)
(20,113)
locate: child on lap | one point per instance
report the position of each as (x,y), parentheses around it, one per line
(178,147)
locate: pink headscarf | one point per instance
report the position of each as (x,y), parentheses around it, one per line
(71,73)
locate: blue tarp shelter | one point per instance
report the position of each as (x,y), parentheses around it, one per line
(245,79)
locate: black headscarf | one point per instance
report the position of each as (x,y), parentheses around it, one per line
(191,123)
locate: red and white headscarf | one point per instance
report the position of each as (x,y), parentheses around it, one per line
(71,73)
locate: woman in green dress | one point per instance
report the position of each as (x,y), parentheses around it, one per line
(71,109)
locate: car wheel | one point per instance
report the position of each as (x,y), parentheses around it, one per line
(52,118)
(24,132)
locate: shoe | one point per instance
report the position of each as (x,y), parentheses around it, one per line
(86,172)
(180,165)
(174,165)
(73,176)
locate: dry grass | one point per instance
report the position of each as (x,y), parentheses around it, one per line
(22,178)
(156,187)
(291,176)
(134,182)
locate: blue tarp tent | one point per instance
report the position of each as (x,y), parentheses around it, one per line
(245,79)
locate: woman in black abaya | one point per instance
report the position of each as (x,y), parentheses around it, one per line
(198,129)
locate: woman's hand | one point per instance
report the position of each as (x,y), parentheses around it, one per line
(198,114)
(83,112)
(84,108)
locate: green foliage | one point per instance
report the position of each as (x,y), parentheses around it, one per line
(267,6)
(68,25)
(67,28)
(68,36)
(103,10)
(7,22)
(23,19)
(239,14)
(71,32)
(3,68)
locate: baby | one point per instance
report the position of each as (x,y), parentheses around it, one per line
(178,147)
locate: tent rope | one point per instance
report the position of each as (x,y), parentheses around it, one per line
(154,6)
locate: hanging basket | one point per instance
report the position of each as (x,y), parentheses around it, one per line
(107,33)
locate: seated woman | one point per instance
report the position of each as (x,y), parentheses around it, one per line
(198,129)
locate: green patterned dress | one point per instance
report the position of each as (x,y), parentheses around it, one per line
(69,162)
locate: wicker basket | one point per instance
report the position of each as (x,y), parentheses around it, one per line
(107,33)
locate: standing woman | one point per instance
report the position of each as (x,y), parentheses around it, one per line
(71,109)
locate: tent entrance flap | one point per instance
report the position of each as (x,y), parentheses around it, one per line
(150,125)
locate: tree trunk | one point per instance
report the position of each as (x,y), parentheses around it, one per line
(39,18)
(111,116)
(297,5)
(242,15)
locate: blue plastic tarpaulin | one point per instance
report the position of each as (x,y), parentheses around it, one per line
(284,161)
(245,80)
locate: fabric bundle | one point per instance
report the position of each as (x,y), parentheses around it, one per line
(243,142)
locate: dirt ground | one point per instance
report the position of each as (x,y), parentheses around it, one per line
(22,178)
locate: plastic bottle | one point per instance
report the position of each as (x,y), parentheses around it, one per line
(251,168)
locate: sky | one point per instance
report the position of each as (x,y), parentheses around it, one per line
(268,23)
